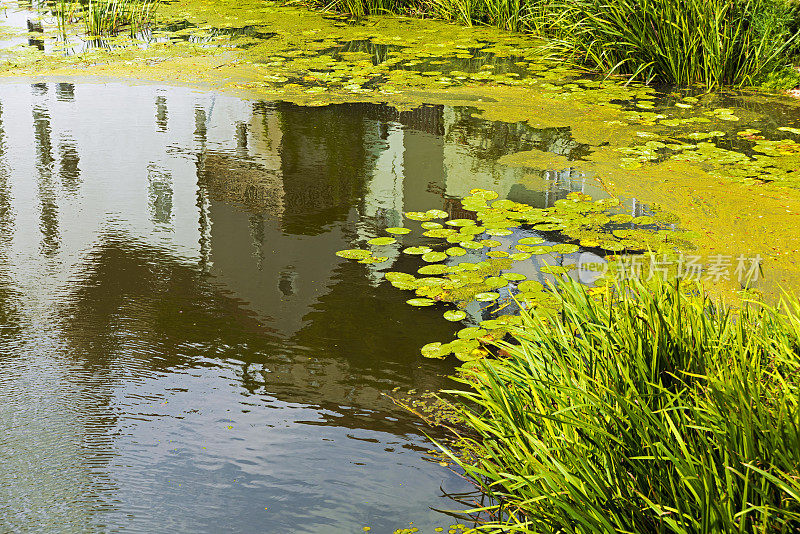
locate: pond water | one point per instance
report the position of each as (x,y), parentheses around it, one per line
(180,347)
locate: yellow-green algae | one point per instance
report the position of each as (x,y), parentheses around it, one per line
(643,148)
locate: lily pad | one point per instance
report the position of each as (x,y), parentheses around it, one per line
(421,302)
(565,248)
(417,250)
(354,254)
(430,225)
(381,241)
(433,350)
(436,214)
(395,276)
(455,251)
(487,296)
(514,277)
(530,286)
(432,257)
(471,332)
(434,269)
(417,216)
(499,231)
(460,222)
(497,254)
(398,230)
(531,241)
(374,259)
(455,315)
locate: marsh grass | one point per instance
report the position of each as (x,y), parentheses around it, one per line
(650,410)
(104,17)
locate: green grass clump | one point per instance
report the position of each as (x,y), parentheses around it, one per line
(105,17)
(650,409)
(708,42)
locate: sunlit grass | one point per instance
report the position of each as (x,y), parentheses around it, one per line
(104,17)
(651,410)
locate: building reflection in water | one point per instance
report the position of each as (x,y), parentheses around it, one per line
(181,245)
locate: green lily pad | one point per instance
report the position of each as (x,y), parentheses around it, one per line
(460,222)
(470,332)
(496,282)
(421,302)
(455,315)
(565,248)
(398,230)
(432,257)
(497,254)
(614,246)
(471,245)
(417,250)
(439,233)
(490,243)
(433,350)
(430,225)
(472,230)
(487,296)
(514,277)
(381,241)
(455,251)
(520,256)
(499,231)
(436,214)
(417,216)
(395,276)
(434,269)
(529,286)
(374,259)
(354,254)
(531,241)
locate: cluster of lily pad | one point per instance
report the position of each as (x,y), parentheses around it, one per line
(577,221)
(767,160)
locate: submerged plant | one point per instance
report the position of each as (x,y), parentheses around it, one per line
(646,409)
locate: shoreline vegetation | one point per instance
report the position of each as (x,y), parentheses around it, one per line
(711,43)
(648,408)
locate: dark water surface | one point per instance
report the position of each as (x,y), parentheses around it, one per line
(180,349)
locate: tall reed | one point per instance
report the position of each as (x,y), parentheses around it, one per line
(651,410)
(103,17)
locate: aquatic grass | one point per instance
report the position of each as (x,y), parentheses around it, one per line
(709,42)
(104,17)
(109,16)
(649,409)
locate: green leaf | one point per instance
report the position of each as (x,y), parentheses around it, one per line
(455,315)
(354,254)
(421,302)
(381,241)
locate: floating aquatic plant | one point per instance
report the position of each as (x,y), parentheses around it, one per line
(578,221)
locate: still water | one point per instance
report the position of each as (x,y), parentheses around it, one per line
(180,348)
